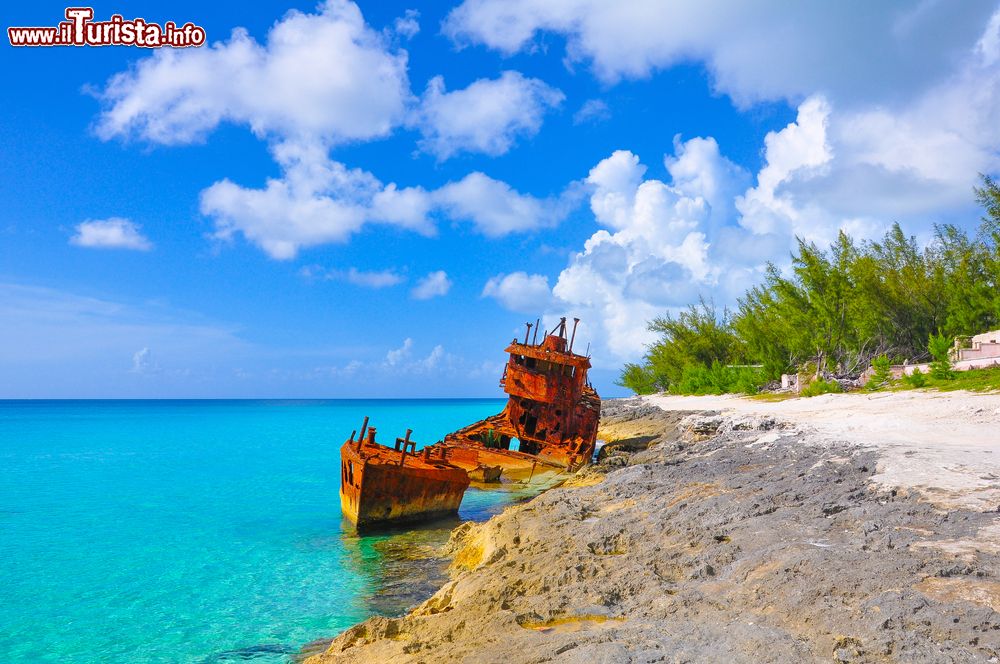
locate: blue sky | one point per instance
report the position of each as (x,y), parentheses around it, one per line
(370,200)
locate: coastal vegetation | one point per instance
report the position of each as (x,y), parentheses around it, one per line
(976,380)
(881,373)
(834,311)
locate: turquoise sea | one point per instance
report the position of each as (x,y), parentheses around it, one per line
(198,531)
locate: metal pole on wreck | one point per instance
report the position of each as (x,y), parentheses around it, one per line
(576,321)
(406,442)
(361,438)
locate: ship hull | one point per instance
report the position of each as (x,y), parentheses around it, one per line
(382,491)
(515,466)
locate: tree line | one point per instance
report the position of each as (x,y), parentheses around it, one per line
(834,311)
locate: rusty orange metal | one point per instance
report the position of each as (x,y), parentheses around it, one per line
(552,411)
(380,484)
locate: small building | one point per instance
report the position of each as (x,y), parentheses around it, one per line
(985,346)
(980,351)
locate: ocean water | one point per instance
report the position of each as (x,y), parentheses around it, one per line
(197,531)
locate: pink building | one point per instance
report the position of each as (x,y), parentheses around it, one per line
(985,346)
(977,352)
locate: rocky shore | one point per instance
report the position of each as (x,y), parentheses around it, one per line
(704,537)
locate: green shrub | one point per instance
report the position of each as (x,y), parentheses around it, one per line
(915,379)
(939,347)
(881,374)
(750,381)
(821,386)
(639,379)
(719,379)
(695,379)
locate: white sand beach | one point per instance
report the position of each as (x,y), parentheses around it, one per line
(945,445)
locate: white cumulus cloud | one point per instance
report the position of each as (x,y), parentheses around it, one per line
(325,75)
(401,360)
(653,250)
(520,291)
(372,279)
(318,201)
(434,284)
(319,80)
(592,111)
(434,359)
(397,355)
(797,152)
(407,25)
(495,209)
(113,233)
(764,50)
(321,201)
(488,116)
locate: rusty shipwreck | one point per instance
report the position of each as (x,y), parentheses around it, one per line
(548,426)
(552,410)
(380,484)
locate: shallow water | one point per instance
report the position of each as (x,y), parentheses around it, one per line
(200,531)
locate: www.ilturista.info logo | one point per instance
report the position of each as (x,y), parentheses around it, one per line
(79,29)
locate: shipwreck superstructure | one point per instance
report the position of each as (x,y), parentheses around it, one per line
(552,410)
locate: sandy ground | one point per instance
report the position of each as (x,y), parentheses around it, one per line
(944,445)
